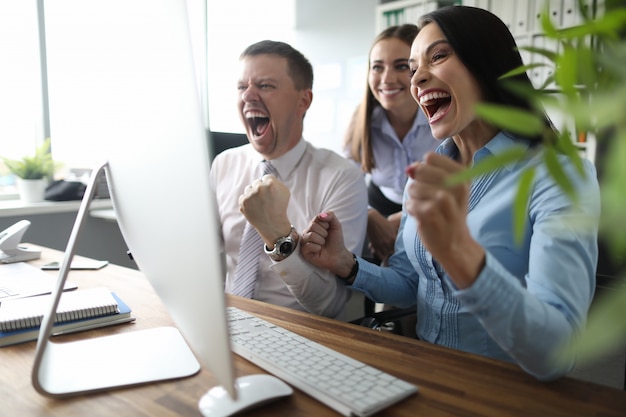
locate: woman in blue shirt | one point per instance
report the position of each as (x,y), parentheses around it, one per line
(387,133)
(478,289)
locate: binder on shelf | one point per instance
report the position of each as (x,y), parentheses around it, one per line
(123,315)
(522,15)
(505,10)
(571,14)
(556,12)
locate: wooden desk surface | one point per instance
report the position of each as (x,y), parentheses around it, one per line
(450,383)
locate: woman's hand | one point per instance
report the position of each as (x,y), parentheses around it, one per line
(322,244)
(441,214)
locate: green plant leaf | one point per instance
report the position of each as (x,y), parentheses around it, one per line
(512,119)
(522,90)
(567,74)
(34,167)
(520,205)
(565,145)
(576,32)
(587,64)
(604,109)
(605,331)
(547,25)
(590,79)
(488,164)
(610,24)
(522,69)
(556,172)
(551,55)
(547,82)
(613,185)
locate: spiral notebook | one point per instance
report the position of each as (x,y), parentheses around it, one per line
(26,335)
(24,313)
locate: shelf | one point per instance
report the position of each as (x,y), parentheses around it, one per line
(11,208)
(406,11)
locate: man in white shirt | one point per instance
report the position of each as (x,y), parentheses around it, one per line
(275,91)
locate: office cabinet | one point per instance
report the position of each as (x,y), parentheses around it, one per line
(527,31)
(521,18)
(505,10)
(406,11)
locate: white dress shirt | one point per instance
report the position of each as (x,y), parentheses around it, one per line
(393,155)
(319,180)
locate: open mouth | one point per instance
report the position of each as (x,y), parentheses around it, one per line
(258,123)
(435,102)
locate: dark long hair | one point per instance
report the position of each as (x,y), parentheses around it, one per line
(488,50)
(358,136)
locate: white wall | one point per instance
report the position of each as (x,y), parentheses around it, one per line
(334,35)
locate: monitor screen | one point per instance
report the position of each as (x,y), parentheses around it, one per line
(158,176)
(147,126)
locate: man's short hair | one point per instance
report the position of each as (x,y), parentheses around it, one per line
(298,66)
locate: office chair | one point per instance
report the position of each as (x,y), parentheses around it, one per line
(610,276)
(399,321)
(220,141)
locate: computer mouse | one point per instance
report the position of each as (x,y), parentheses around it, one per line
(252,391)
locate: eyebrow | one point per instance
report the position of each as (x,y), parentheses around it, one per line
(395,61)
(259,80)
(431,47)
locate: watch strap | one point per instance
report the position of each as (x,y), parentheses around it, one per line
(353,271)
(284,246)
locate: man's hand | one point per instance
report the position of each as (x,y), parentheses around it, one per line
(264,204)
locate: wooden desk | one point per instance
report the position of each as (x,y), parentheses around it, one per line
(450,383)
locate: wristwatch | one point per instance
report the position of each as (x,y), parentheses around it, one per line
(284,246)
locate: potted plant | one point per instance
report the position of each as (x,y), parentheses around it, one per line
(591,78)
(32,172)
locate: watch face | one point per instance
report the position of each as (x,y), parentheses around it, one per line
(286,248)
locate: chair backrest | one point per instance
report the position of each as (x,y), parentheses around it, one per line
(221,141)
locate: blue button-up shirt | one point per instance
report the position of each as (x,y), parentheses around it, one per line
(530,297)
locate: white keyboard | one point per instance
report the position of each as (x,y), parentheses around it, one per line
(350,387)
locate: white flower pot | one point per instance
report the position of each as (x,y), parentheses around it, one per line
(31,191)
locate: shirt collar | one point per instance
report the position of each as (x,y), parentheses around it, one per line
(286,163)
(500,143)
(380,120)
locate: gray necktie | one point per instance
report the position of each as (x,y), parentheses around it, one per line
(250,250)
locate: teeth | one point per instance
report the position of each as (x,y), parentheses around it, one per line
(397,90)
(252,114)
(433,96)
(258,121)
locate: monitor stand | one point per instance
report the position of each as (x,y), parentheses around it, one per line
(116,361)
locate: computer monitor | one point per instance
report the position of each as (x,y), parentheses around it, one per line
(150,134)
